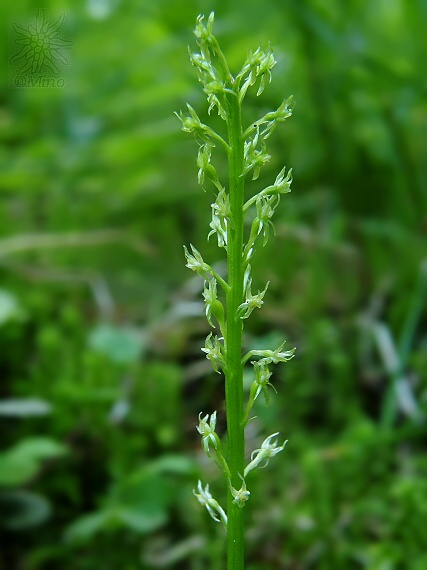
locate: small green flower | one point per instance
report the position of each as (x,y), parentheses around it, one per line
(272,119)
(265,206)
(255,158)
(252,301)
(214,76)
(205,166)
(206,428)
(270,356)
(206,500)
(203,32)
(221,216)
(213,350)
(240,496)
(213,307)
(266,64)
(210,297)
(282,184)
(195,263)
(257,66)
(190,123)
(268,449)
(202,64)
(210,77)
(261,382)
(276,356)
(219,227)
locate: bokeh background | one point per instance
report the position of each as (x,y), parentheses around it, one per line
(101,324)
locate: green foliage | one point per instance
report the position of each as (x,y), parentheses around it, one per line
(98,190)
(20,463)
(9,307)
(21,509)
(120,345)
(139,502)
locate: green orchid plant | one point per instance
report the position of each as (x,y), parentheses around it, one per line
(229,302)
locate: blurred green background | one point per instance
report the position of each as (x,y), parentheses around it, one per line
(101,324)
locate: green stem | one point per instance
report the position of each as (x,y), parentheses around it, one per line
(269,190)
(213,135)
(234,373)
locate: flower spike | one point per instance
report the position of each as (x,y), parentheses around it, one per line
(229,302)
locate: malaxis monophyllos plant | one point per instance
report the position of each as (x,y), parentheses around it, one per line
(228,302)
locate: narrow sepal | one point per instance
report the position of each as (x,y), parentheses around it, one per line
(213,507)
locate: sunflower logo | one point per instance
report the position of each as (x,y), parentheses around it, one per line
(40,46)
